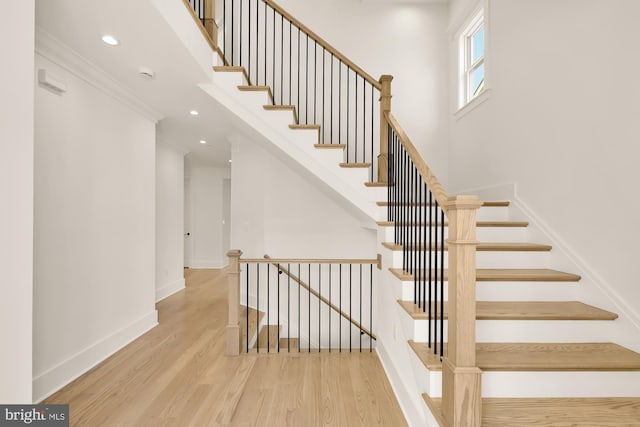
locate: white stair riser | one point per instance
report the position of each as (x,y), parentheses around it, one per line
(229,80)
(557,331)
(498,213)
(490,259)
(509,291)
(561,384)
(483,234)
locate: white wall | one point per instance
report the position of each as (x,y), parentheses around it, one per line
(16,190)
(205,186)
(562,123)
(278,212)
(169,219)
(408,41)
(94,256)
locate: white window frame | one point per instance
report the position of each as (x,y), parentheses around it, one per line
(465,57)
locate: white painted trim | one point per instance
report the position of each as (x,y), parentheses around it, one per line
(473,104)
(413,407)
(47,383)
(203,263)
(56,51)
(169,289)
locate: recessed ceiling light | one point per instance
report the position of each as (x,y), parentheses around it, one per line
(110,40)
(202,141)
(193,112)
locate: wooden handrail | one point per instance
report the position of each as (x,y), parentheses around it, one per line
(321,298)
(427,174)
(324,44)
(308,261)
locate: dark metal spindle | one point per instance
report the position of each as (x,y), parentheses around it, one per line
(329,308)
(288,309)
(442,285)
(247,305)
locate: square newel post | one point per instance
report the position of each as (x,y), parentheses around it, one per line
(210,21)
(233,282)
(385,106)
(461,378)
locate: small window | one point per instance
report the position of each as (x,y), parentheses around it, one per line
(472,50)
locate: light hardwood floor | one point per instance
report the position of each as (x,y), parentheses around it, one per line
(177,375)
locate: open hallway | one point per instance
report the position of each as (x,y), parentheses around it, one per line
(177,374)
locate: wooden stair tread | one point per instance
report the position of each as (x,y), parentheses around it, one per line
(446,223)
(531,412)
(523,310)
(355,165)
(542,357)
(505,275)
(297,126)
(375,184)
(484,247)
(330,146)
(487,204)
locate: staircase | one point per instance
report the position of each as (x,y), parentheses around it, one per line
(543,356)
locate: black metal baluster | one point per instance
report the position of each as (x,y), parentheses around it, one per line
(355,138)
(340,101)
(299,306)
(360,305)
(290,61)
(247,305)
(268,304)
(442,285)
(257,302)
(240,35)
(329,308)
(340,306)
(324,55)
(257,42)
(273,61)
(435,263)
(224,28)
(266,28)
(298,80)
(319,311)
(348,107)
(350,297)
(306,80)
(371,307)
(315,81)
(331,104)
(249,47)
(372,158)
(288,309)
(278,309)
(309,312)
(430,265)
(281,59)
(232,31)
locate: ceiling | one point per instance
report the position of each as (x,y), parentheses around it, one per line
(145,41)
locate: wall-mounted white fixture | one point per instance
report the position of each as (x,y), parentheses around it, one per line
(110,40)
(202,141)
(193,112)
(45,78)
(146,73)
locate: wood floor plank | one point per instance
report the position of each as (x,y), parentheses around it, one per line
(177,374)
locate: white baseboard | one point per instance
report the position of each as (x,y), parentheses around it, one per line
(201,263)
(47,383)
(409,404)
(169,289)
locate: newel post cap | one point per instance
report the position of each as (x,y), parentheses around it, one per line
(463,202)
(234,253)
(385,78)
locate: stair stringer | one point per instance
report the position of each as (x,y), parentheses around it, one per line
(297,149)
(405,372)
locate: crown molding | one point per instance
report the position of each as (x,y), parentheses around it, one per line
(61,54)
